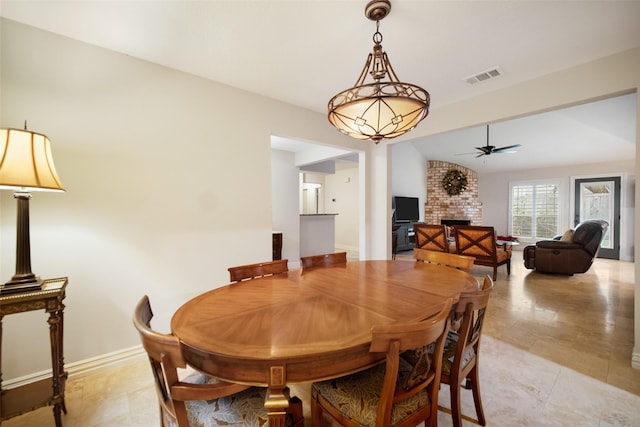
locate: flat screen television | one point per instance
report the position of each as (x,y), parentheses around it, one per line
(406,209)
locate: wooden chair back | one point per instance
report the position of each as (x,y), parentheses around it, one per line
(261,269)
(431,237)
(471,309)
(461,262)
(480,243)
(165,357)
(324,260)
(397,338)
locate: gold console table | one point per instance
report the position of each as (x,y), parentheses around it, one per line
(26,398)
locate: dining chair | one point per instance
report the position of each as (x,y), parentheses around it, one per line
(261,269)
(197,400)
(324,260)
(399,392)
(462,351)
(480,243)
(431,236)
(461,262)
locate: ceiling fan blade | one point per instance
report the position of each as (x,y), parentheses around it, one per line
(481,154)
(486,149)
(508,147)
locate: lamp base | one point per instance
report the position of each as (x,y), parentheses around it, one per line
(22,284)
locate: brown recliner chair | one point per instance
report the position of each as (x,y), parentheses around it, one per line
(567,256)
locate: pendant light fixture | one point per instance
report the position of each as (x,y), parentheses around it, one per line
(382,108)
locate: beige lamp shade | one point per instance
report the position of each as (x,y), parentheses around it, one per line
(26,162)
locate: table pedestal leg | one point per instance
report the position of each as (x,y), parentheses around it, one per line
(277,403)
(277,400)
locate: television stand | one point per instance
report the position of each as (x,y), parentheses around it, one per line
(406,236)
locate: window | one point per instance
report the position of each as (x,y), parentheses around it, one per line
(534,210)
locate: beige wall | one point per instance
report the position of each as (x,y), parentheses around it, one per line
(167,186)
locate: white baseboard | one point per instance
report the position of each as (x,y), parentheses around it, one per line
(635,360)
(352,251)
(83,367)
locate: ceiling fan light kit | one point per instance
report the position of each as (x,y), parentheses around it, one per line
(381,109)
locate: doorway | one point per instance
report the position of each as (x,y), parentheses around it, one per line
(599,198)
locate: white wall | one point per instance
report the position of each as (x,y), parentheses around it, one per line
(284,204)
(341,196)
(409,171)
(494,195)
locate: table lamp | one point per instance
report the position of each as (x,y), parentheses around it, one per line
(26,165)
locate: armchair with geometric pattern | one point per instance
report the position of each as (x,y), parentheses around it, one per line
(431,237)
(480,242)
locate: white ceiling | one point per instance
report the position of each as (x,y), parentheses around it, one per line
(602,131)
(305,51)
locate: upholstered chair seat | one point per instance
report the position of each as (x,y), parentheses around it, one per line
(450,346)
(401,392)
(358,395)
(198,400)
(502,255)
(245,408)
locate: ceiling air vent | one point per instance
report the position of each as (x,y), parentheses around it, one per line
(485,75)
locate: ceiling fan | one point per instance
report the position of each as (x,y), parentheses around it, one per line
(487,150)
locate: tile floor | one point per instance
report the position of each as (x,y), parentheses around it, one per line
(556,351)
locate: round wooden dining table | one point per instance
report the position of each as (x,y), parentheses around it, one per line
(308,325)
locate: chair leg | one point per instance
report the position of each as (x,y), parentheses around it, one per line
(316,410)
(508,267)
(432,421)
(473,379)
(495,273)
(456,410)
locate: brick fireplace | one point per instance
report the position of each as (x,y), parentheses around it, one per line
(441,206)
